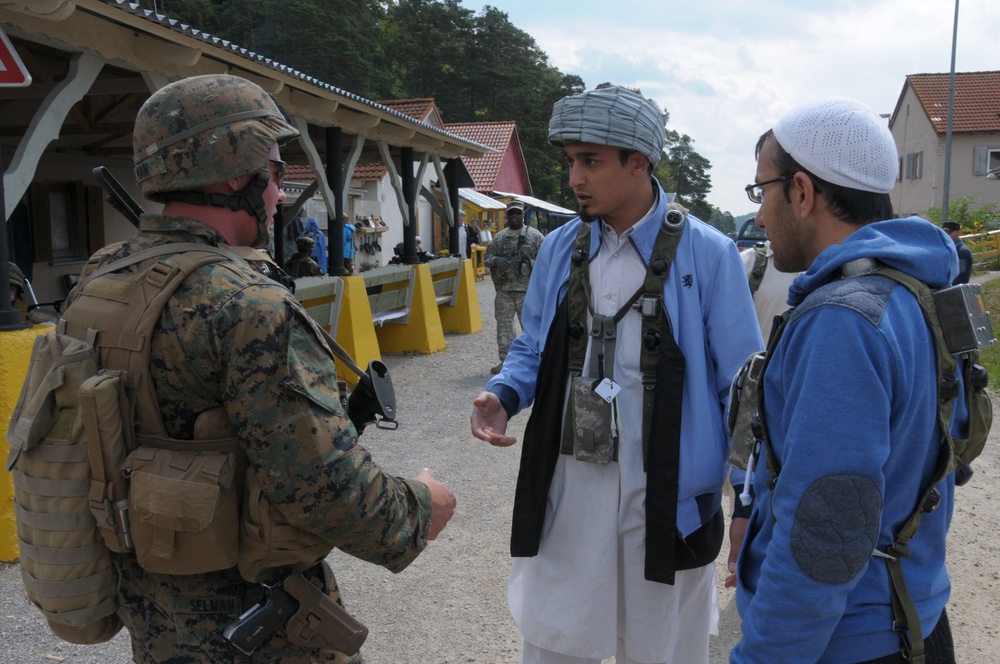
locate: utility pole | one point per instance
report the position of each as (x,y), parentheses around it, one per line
(951,113)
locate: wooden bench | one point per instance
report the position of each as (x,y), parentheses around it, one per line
(446,274)
(390,292)
(322,297)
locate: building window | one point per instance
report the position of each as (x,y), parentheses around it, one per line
(899,172)
(986,159)
(914,165)
(67,221)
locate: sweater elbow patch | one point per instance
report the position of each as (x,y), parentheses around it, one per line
(836,527)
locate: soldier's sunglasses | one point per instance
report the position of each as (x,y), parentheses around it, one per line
(279,176)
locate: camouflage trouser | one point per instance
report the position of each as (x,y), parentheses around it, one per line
(507,305)
(174,619)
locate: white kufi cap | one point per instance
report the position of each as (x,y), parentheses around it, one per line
(843,142)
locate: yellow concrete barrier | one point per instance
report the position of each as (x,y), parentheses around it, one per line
(423,332)
(15,352)
(355,330)
(464,317)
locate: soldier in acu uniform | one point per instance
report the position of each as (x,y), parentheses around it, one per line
(510,259)
(232,341)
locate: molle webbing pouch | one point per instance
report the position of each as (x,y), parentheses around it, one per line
(590,422)
(184,509)
(743,409)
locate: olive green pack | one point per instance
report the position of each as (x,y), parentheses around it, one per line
(73,441)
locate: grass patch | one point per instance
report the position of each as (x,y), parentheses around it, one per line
(990,357)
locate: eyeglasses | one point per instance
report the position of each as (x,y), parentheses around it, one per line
(282,167)
(755,191)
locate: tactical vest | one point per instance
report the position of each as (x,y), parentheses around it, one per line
(957,303)
(662,365)
(95,471)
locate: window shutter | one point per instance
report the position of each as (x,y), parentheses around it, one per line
(980,158)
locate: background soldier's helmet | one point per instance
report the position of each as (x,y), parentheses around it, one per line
(305,244)
(204,130)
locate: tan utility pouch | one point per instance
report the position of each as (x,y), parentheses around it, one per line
(103,408)
(743,409)
(590,419)
(268,542)
(184,508)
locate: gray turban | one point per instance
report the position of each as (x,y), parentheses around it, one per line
(611,116)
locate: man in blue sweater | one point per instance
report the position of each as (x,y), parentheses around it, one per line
(850,404)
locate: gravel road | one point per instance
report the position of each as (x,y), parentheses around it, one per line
(449,606)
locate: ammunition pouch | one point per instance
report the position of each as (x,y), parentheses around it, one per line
(184,508)
(590,422)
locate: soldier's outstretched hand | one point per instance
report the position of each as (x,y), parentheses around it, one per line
(489,420)
(442,503)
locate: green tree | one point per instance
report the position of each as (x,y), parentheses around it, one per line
(685,172)
(426,44)
(724,221)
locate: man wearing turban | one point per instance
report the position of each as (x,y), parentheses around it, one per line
(618,512)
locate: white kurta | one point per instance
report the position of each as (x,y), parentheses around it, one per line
(585,588)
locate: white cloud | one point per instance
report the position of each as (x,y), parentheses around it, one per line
(727,70)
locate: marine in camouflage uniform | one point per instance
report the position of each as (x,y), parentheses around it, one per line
(510,258)
(230,336)
(301,263)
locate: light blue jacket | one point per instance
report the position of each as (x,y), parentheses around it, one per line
(711,312)
(850,405)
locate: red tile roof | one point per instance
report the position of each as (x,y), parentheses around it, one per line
(977,100)
(424,110)
(497,135)
(371,171)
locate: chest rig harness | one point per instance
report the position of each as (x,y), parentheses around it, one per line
(662,365)
(958,330)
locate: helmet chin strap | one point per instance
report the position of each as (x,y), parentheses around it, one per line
(248,199)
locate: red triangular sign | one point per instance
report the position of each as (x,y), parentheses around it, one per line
(13,73)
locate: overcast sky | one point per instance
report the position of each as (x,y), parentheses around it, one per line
(725,70)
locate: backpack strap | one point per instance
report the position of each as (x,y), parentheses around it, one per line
(123,331)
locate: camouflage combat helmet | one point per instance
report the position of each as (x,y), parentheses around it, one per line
(204,130)
(305,244)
